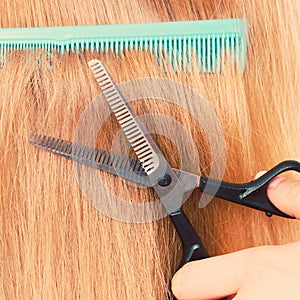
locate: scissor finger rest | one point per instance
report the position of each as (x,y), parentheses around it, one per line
(252,194)
(192,247)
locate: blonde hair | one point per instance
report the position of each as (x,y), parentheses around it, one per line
(55,244)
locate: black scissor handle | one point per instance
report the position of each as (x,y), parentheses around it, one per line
(192,246)
(252,194)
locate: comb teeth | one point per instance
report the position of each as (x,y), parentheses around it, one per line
(93,157)
(177,42)
(130,125)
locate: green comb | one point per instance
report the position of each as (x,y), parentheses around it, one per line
(177,42)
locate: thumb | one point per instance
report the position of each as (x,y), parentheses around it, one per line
(212,278)
(285,195)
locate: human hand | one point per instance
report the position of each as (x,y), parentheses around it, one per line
(268,272)
(261,273)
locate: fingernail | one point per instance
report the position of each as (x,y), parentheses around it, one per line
(274,182)
(259,174)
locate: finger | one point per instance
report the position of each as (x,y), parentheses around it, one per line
(285,195)
(211,278)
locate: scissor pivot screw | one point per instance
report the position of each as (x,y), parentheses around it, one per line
(165,180)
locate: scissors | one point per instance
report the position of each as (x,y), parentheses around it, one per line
(152,169)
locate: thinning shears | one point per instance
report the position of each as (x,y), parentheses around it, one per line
(152,169)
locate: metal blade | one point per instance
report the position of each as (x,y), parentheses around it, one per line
(163,178)
(134,130)
(127,168)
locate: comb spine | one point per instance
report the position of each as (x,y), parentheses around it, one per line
(171,36)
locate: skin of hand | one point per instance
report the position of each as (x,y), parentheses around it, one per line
(266,273)
(285,195)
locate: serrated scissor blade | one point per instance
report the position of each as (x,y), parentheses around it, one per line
(127,168)
(164,180)
(134,130)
